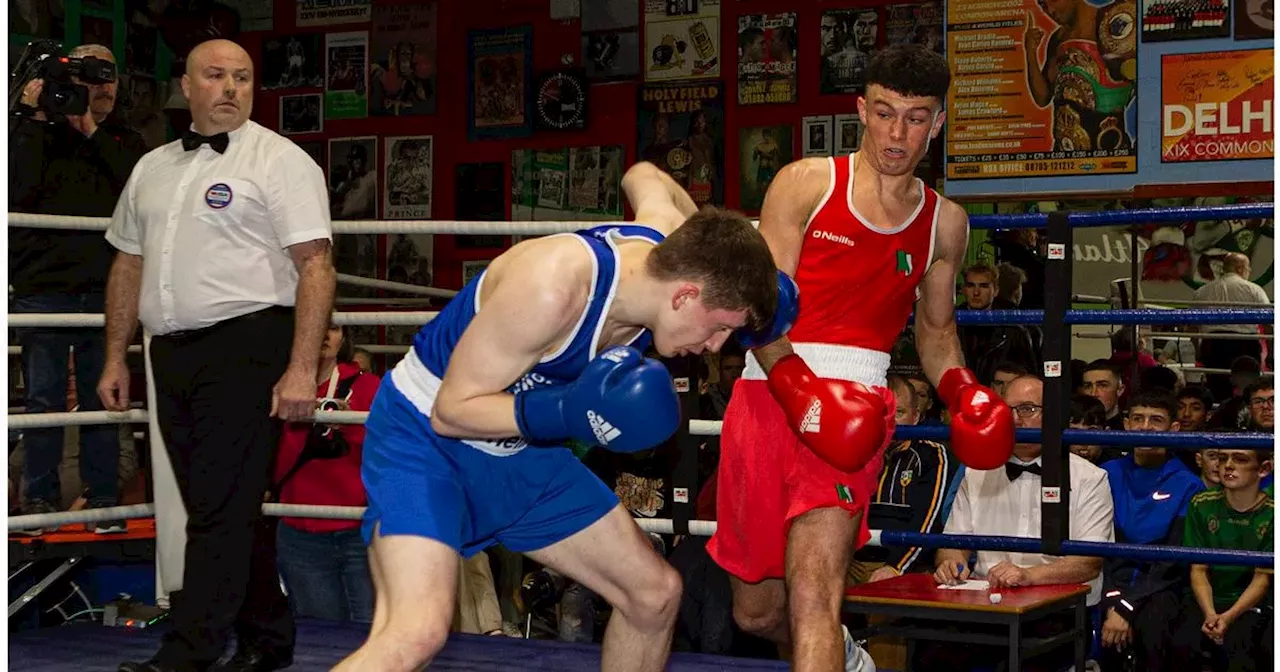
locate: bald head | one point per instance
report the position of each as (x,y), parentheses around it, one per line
(94,50)
(1024,389)
(1235,262)
(218,86)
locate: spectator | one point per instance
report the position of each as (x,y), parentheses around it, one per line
(914,481)
(1021,248)
(985,347)
(1088,413)
(930,411)
(1006,502)
(1009,281)
(1234,289)
(731,363)
(71,165)
(1209,464)
(363,359)
(1004,374)
(476,611)
(1228,605)
(1194,402)
(323,563)
(1102,381)
(1150,493)
(1123,352)
(1261,400)
(1233,414)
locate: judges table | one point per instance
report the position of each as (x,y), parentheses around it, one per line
(914,608)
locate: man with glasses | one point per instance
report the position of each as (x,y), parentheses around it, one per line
(1006,502)
(1261,398)
(1150,493)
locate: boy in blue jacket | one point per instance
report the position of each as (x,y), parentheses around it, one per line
(1150,493)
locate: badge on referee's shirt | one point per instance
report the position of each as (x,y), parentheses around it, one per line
(218,196)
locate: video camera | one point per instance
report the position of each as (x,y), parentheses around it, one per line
(61,96)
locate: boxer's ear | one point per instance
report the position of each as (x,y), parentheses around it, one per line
(685,292)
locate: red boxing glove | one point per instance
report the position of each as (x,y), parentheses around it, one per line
(981,423)
(840,421)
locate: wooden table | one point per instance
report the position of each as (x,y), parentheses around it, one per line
(933,613)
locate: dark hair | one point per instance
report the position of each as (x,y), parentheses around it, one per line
(1155,399)
(1265,383)
(895,382)
(1088,411)
(910,70)
(1122,341)
(1158,378)
(722,251)
(1011,367)
(732,349)
(1197,392)
(1245,364)
(346,351)
(1102,365)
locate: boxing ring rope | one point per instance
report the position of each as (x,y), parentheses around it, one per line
(1053,438)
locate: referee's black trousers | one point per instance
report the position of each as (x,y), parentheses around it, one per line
(213,403)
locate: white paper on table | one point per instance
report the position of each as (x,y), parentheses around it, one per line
(971,584)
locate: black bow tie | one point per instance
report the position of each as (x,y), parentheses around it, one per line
(1016,470)
(192,140)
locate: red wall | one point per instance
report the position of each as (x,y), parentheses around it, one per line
(612,106)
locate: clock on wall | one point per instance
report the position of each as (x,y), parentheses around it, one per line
(561,101)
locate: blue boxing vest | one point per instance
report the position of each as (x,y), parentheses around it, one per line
(418,375)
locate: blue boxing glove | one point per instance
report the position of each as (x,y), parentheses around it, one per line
(622,402)
(784,316)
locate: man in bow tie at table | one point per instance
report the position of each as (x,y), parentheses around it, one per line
(1005,501)
(224,256)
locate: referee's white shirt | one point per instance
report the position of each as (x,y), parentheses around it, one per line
(213,229)
(988,503)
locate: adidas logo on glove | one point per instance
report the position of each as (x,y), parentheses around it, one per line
(812,422)
(604,431)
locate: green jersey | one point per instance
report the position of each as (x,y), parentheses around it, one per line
(1212,523)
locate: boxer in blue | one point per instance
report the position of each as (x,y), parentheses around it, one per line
(465,441)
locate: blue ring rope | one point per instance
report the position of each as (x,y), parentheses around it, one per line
(1103,437)
(1094,549)
(1205,213)
(1121,316)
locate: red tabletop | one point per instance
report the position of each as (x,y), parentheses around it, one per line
(75,533)
(921,590)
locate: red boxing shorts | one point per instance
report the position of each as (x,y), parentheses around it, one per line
(767,478)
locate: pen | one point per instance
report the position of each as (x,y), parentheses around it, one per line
(959,571)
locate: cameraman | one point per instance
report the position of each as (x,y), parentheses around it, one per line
(72,165)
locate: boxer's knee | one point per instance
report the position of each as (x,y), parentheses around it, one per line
(408,645)
(760,609)
(652,601)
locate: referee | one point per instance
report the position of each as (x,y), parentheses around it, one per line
(224,255)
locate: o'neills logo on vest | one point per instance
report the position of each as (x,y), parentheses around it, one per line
(827,235)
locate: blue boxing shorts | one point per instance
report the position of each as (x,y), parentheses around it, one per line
(422,484)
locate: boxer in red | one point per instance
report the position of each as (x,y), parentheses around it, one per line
(806,427)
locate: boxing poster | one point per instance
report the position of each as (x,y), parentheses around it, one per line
(578,183)
(346,91)
(765,150)
(919,23)
(816,136)
(1255,19)
(500,76)
(292,62)
(682,39)
(681,130)
(611,39)
(301,114)
(1165,20)
(407,176)
(766,58)
(402,72)
(410,259)
(848,40)
(353,178)
(1072,113)
(1217,106)
(314,149)
(332,12)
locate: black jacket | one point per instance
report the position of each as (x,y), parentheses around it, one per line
(914,482)
(55,170)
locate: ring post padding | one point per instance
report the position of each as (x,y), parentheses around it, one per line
(684,479)
(1055,479)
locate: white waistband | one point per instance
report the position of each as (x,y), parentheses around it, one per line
(420,386)
(842,362)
